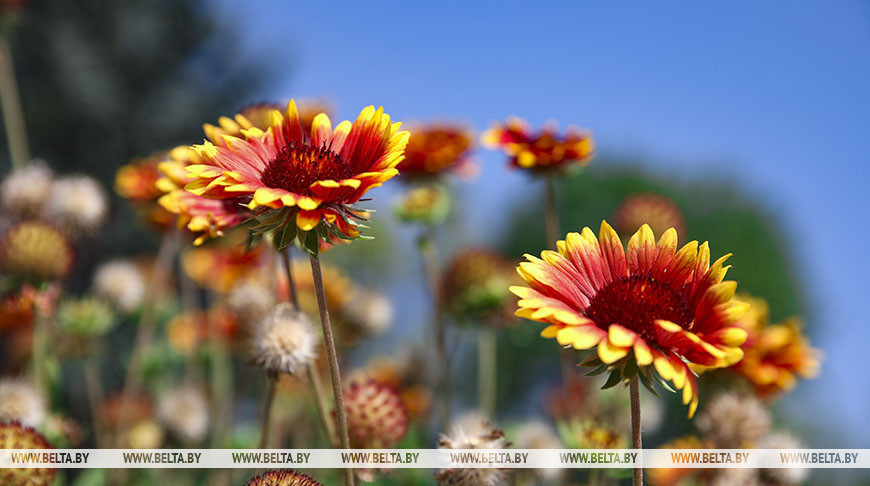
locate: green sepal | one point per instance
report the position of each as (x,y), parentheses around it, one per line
(613,380)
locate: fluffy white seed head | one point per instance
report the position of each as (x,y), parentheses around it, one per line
(19,400)
(372,310)
(121,283)
(185,412)
(734,421)
(25,191)
(472,432)
(536,434)
(284,341)
(251,301)
(77,204)
(782,477)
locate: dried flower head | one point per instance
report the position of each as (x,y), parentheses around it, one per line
(543,151)
(782,477)
(25,190)
(121,283)
(371,310)
(252,301)
(78,204)
(376,416)
(475,285)
(282,477)
(435,149)
(13,435)
(659,212)
(284,342)
(185,412)
(32,249)
(21,401)
(644,307)
(734,421)
(85,317)
(472,432)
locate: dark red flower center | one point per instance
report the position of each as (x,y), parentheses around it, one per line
(636,302)
(297,166)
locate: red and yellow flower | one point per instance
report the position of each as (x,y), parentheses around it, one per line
(138,183)
(658,211)
(775,355)
(203,216)
(319,175)
(436,148)
(649,304)
(544,150)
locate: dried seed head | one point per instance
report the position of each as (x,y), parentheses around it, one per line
(734,421)
(472,432)
(20,401)
(185,412)
(376,415)
(121,283)
(284,342)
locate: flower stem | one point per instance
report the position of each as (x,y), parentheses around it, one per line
(429,252)
(95,398)
(267,410)
(636,443)
(147,322)
(551,225)
(38,354)
(291,284)
(320,402)
(487,368)
(13,115)
(332,356)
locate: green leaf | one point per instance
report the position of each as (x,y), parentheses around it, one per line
(285,236)
(592,361)
(310,242)
(664,384)
(629,369)
(645,379)
(613,379)
(597,371)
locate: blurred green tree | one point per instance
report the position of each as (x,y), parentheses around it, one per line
(102,82)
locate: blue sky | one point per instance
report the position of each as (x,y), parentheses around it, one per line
(771,95)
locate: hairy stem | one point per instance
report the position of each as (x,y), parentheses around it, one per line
(487,371)
(13,115)
(636,443)
(429,253)
(332,356)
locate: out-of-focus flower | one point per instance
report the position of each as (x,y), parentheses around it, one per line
(25,191)
(318,175)
(406,372)
(472,432)
(221,266)
(18,309)
(376,416)
(650,304)
(536,434)
(77,204)
(21,401)
(137,181)
(187,331)
(252,301)
(32,249)
(282,477)
(542,151)
(284,342)
(13,435)
(782,476)
(145,434)
(775,355)
(734,421)
(591,434)
(437,148)
(474,287)
(564,403)
(676,476)
(121,283)
(85,317)
(372,310)
(185,412)
(428,204)
(657,211)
